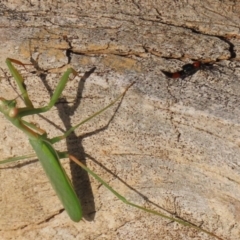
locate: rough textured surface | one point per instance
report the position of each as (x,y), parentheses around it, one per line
(173,145)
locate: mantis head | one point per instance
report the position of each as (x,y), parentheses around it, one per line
(8,107)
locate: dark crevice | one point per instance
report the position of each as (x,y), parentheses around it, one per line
(231,47)
(68,54)
(53,216)
(194,30)
(68,51)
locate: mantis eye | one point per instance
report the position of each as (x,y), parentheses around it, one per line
(13,112)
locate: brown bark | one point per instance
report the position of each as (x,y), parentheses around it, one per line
(172,145)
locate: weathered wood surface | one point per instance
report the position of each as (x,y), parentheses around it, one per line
(172,145)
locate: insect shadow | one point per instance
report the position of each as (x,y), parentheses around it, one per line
(80,177)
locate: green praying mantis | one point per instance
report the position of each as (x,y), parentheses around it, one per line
(49,156)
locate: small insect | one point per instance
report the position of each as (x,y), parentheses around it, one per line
(187,70)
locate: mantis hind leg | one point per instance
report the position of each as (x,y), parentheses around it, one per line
(124,200)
